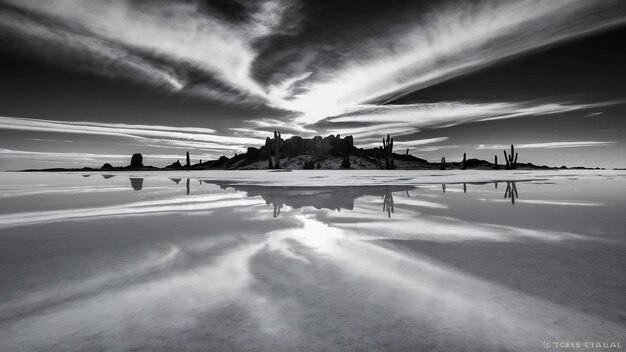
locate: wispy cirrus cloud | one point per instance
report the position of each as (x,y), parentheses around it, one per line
(550,145)
(372,121)
(203,139)
(449,41)
(123,38)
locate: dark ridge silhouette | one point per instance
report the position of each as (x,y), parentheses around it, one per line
(330,152)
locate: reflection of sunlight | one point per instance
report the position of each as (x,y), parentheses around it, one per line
(449,299)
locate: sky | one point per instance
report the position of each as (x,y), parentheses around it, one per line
(84,82)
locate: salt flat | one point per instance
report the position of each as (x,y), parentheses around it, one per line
(311,260)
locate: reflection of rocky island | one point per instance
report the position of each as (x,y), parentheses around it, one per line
(331,152)
(136,183)
(332,198)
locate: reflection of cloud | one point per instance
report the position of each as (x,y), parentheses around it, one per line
(186,204)
(367,224)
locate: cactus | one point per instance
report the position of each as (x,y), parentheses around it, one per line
(407,151)
(443,164)
(188,161)
(464,160)
(510,161)
(388,152)
(495,164)
(273,148)
(277,150)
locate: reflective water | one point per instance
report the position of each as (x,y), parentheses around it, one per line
(112,262)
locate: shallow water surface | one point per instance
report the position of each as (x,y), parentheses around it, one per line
(164,262)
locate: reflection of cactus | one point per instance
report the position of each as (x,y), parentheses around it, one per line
(464,160)
(464,187)
(511,192)
(388,202)
(443,187)
(388,152)
(188,190)
(495,164)
(510,161)
(277,210)
(442,166)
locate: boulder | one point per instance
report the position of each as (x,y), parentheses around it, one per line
(136,161)
(107,166)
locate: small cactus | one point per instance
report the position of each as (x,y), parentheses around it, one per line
(388,152)
(188,161)
(464,161)
(443,164)
(495,164)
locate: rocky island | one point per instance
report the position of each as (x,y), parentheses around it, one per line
(327,153)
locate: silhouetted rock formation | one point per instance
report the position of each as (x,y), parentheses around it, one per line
(106,166)
(136,161)
(136,183)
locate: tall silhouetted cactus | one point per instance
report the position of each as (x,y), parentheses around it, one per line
(277,150)
(188,160)
(442,166)
(510,161)
(495,164)
(464,161)
(273,151)
(407,151)
(388,152)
